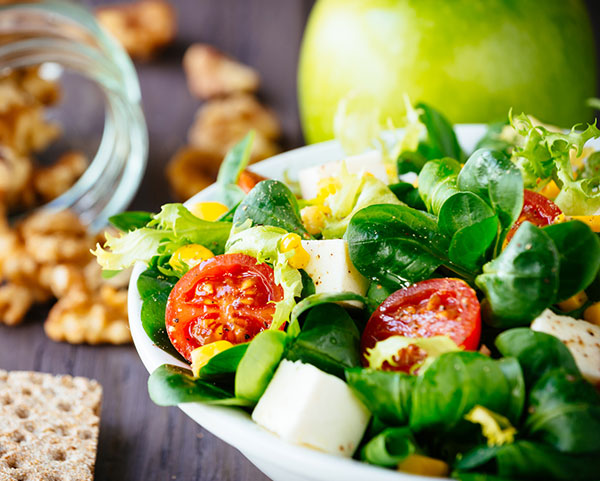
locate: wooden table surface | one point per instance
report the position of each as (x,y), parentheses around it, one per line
(138,440)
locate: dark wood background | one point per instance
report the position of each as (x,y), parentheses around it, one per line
(138,440)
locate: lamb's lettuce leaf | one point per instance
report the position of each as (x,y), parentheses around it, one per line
(386,394)
(170,385)
(564,412)
(271,203)
(495,179)
(226,189)
(154,288)
(523,280)
(329,340)
(259,363)
(578,251)
(389,447)
(437,182)
(537,353)
(456,382)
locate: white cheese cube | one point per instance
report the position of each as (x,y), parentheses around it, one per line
(370,162)
(304,405)
(581,337)
(331,269)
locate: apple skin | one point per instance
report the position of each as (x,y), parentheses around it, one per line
(472,60)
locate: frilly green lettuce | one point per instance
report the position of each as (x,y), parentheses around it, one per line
(544,155)
(173,227)
(355,193)
(262,242)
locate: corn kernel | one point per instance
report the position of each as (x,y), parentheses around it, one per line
(573,302)
(203,354)
(293,242)
(592,314)
(424,466)
(313,218)
(289,242)
(189,256)
(550,190)
(208,210)
(327,186)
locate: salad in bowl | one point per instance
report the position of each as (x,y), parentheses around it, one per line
(414,307)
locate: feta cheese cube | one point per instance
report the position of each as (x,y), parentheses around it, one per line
(369,162)
(581,337)
(331,269)
(304,405)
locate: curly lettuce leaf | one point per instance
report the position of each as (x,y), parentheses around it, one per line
(545,155)
(355,193)
(173,227)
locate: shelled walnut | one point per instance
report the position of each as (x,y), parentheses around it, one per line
(221,123)
(48,256)
(211,73)
(142,28)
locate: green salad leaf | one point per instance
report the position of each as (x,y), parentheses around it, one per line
(441,139)
(545,155)
(224,364)
(408,194)
(329,340)
(352,197)
(386,394)
(523,280)
(173,227)
(472,227)
(537,353)
(395,245)
(530,460)
(578,251)
(389,448)
(170,385)
(258,365)
(564,413)
(226,189)
(437,182)
(271,203)
(131,220)
(493,177)
(456,382)
(154,289)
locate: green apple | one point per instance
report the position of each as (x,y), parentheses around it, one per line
(473,60)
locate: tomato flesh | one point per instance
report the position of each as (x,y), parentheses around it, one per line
(435,307)
(537,209)
(228,297)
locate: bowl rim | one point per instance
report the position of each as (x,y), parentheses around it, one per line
(233,425)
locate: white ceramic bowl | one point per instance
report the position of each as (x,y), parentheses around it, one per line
(278,459)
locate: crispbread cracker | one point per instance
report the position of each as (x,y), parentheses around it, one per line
(48,427)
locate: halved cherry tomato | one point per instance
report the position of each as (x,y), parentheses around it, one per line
(537,209)
(247,180)
(228,297)
(435,307)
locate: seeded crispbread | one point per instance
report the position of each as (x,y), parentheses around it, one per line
(48,427)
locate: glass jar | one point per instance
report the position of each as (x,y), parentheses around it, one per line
(65,40)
